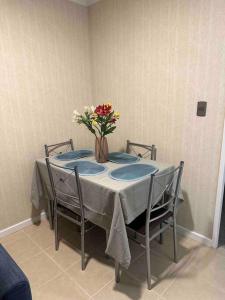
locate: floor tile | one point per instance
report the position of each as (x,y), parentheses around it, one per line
(210,265)
(67,227)
(31,229)
(99,271)
(136,250)
(35,294)
(39,269)
(65,256)
(11,238)
(163,270)
(127,288)
(60,288)
(221,250)
(22,249)
(41,234)
(95,241)
(190,285)
(198,275)
(185,245)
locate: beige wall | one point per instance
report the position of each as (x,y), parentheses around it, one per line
(154,59)
(44,75)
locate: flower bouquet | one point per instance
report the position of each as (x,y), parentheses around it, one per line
(100,121)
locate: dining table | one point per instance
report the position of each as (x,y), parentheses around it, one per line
(111,200)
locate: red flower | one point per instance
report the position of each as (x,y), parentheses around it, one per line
(103,110)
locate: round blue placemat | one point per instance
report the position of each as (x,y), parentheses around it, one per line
(74,154)
(132,172)
(86,167)
(122,158)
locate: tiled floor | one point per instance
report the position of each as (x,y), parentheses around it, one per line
(199,275)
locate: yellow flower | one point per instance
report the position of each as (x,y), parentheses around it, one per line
(116,115)
(94,123)
(94,116)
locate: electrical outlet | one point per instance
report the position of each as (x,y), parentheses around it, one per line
(201,108)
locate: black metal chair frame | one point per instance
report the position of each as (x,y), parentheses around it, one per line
(149,149)
(162,213)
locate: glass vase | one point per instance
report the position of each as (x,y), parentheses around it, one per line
(101,149)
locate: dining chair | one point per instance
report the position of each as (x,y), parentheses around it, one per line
(149,150)
(163,202)
(53,149)
(68,201)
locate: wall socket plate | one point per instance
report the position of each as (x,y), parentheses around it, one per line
(201,108)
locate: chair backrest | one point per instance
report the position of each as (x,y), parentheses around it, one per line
(141,150)
(66,187)
(54,149)
(163,194)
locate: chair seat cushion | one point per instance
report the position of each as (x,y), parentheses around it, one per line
(13,283)
(139,223)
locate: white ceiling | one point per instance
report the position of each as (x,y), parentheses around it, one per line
(85,2)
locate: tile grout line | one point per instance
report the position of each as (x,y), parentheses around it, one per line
(48,281)
(113,279)
(43,250)
(96,293)
(65,272)
(61,269)
(36,254)
(78,285)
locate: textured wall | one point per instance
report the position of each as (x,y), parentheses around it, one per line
(44,75)
(154,59)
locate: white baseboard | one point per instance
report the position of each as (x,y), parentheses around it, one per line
(194,235)
(181,230)
(21,225)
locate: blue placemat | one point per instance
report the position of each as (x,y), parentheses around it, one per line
(132,172)
(74,154)
(122,158)
(86,167)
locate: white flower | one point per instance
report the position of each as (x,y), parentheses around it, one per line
(76,113)
(92,109)
(76,116)
(89,109)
